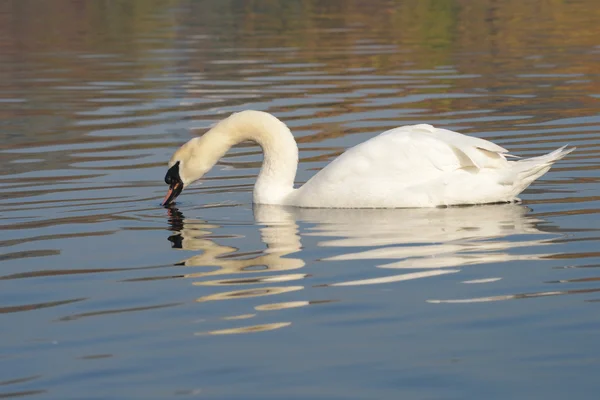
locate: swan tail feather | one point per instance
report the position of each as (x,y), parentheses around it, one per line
(529,169)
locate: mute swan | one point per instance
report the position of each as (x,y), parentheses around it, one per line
(409,166)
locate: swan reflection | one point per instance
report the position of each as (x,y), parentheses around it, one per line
(281,239)
(428,242)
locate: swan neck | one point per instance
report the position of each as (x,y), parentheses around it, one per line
(275,181)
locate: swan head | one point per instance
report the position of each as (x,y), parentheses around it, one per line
(173,179)
(189,163)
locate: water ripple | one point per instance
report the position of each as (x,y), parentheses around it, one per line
(95,98)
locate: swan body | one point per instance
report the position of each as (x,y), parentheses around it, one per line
(409,166)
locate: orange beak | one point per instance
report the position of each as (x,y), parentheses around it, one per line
(174,191)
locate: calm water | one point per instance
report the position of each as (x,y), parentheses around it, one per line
(106,295)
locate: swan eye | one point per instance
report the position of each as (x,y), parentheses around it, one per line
(172,174)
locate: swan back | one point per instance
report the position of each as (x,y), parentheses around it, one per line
(414,166)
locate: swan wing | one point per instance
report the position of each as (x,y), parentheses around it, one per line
(447,149)
(407,166)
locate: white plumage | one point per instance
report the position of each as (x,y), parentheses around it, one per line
(410,166)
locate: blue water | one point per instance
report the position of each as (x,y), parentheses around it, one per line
(106,295)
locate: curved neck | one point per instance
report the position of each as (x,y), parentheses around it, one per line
(275,181)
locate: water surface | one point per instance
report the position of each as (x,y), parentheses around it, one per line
(106,295)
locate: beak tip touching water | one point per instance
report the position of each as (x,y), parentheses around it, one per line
(174,191)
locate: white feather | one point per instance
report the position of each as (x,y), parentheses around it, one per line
(410,166)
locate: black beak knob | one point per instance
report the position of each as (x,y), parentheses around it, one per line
(172,174)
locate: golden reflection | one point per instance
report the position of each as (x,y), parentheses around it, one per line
(397,278)
(513,296)
(282,306)
(432,241)
(429,242)
(246,329)
(289,304)
(241,316)
(246,281)
(280,237)
(453,226)
(243,294)
(483,280)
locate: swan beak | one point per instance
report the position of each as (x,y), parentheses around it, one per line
(174,191)
(175,184)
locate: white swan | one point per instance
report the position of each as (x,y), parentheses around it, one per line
(410,166)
